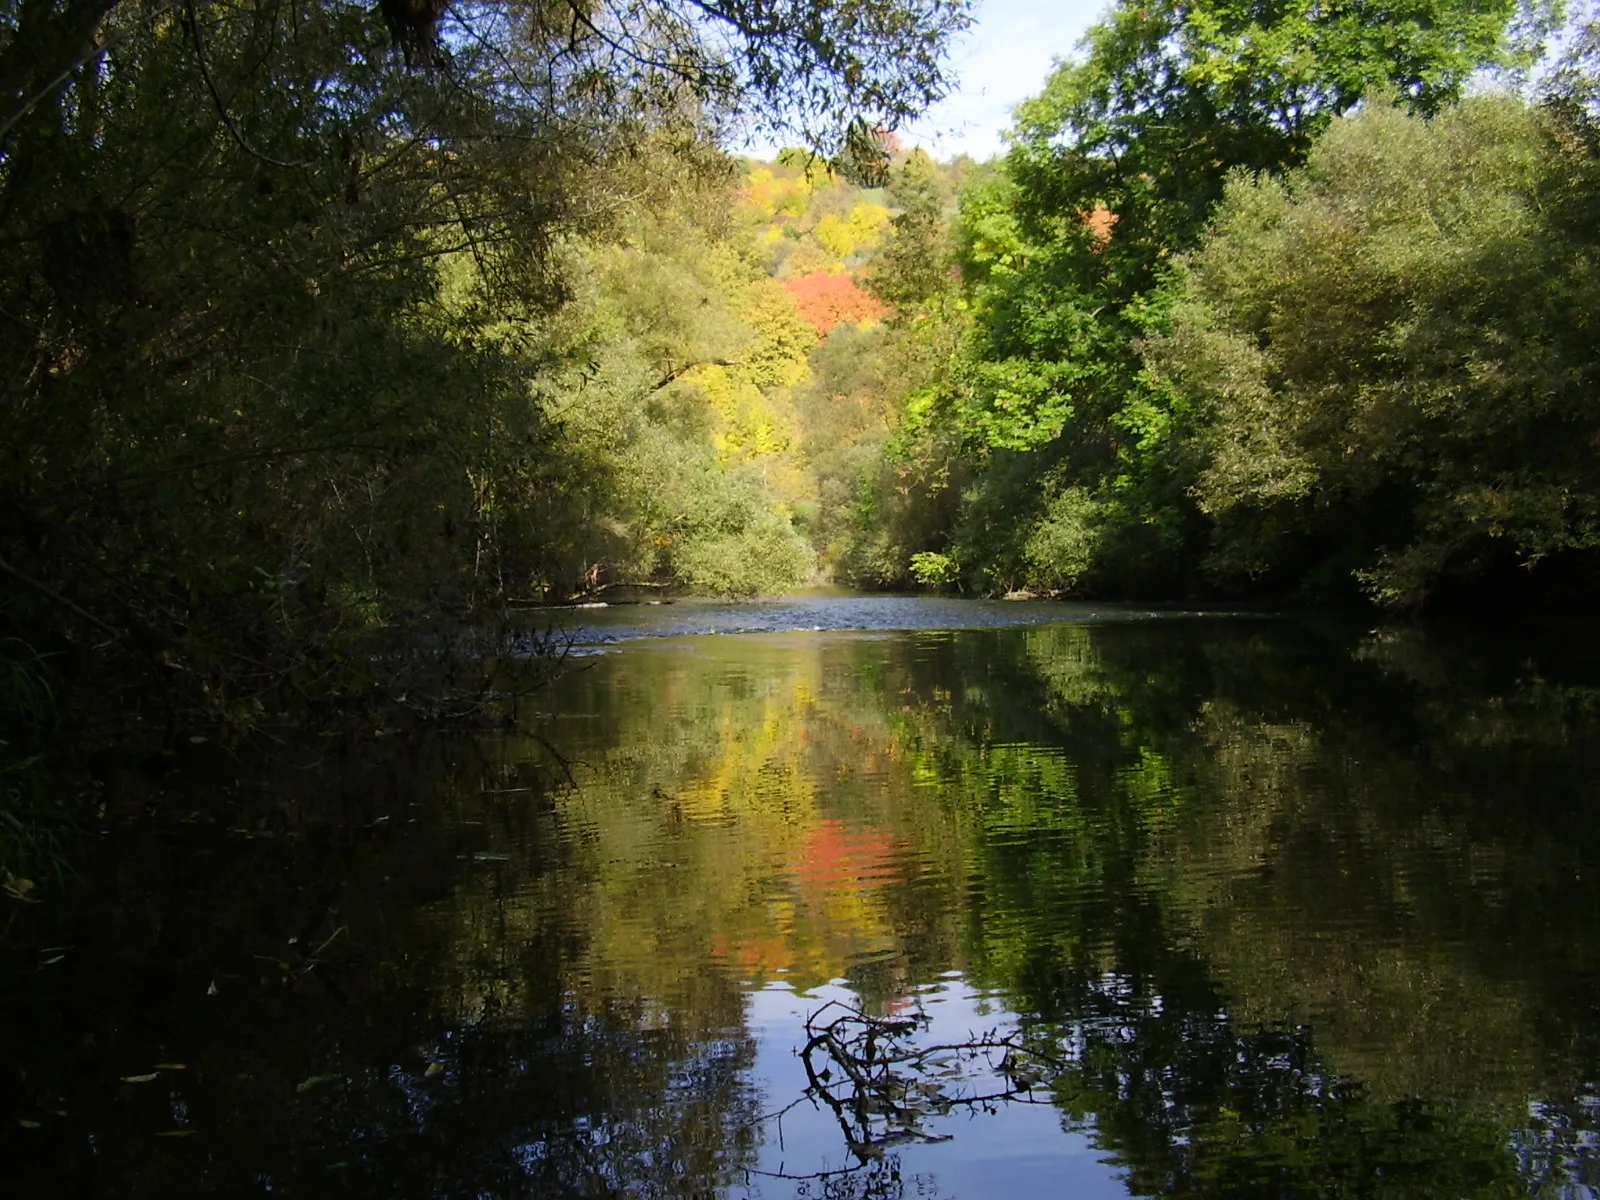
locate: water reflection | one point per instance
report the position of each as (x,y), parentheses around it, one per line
(1287,910)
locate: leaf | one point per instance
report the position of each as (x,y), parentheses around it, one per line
(50,962)
(140,1078)
(212,990)
(433,1071)
(172,1066)
(176,1133)
(306,1085)
(30,1124)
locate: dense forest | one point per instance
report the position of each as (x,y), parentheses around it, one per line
(1263,302)
(322,325)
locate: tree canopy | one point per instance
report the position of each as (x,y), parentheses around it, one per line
(1146,246)
(299,319)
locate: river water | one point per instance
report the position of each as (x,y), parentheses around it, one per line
(1198,904)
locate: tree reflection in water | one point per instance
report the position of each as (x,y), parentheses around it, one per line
(1279,909)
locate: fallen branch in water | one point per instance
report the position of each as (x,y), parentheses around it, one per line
(882,1087)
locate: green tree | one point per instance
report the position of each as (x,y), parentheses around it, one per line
(910,267)
(1113,169)
(1394,349)
(287,288)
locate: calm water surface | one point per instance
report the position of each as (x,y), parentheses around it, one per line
(1262,907)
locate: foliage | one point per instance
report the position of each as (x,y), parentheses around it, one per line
(1393,349)
(911,267)
(826,300)
(1065,248)
(846,472)
(1062,544)
(931,569)
(302,313)
(677,415)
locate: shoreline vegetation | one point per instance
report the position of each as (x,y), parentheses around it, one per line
(325,328)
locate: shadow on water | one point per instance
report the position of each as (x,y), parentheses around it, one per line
(1278,908)
(330,997)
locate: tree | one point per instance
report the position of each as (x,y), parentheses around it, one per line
(1170,97)
(1113,169)
(911,266)
(280,300)
(1393,350)
(828,298)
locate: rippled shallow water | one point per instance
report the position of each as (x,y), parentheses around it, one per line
(1266,907)
(601,623)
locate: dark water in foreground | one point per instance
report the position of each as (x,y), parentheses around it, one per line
(1268,908)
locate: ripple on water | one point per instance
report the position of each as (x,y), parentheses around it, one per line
(590,626)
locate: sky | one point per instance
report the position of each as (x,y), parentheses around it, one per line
(1003,59)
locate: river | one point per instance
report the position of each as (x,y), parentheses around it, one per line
(1197,903)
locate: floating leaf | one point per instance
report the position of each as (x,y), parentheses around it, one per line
(172,1066)
(50,962)
(486,856)
(30,1124)
(140,1078)
(176,1133)
(433,1071)
(316,1080)
(212,990)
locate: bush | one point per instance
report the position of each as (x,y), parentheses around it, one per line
(931,569)
(1394,349)
(1062,545)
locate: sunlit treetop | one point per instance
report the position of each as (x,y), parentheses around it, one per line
(1169,95)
